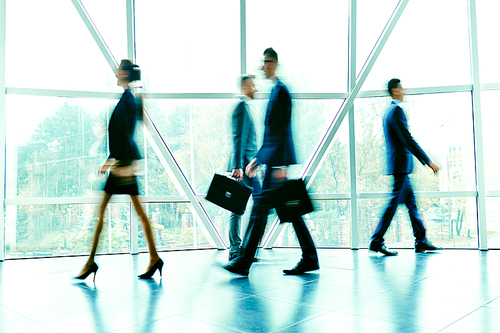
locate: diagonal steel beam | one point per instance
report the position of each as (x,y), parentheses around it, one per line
(322,149)
(95,34)
(168,157)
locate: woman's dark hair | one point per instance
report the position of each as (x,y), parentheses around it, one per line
(134,70)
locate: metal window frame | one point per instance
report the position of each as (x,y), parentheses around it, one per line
(478,128)
(3,17)
(354,92)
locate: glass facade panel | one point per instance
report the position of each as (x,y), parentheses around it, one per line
(329,224)
(440,123)
(175,226)
(334,174)
(56,52)
(450,222)
(487,27)
(427,54)
(309,62)
(188,46)
(55,146)
(491,137)
(55,230)
(110,19)
(493,222)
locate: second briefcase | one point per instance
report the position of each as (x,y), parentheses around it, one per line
(229,194)
(291,200)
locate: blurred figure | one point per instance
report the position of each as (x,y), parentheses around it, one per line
(244,150)
(121,164)
(400,146)
(277,153)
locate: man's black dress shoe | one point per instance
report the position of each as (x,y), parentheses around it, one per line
(427,246)
(382,249)
(237,266)
(302,267)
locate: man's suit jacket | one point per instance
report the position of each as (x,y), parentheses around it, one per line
(399,142)
(244,137)
(277,148)
(121,129)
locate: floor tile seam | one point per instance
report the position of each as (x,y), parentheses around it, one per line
(28,318)
(209,323)
(303,321)
(298,304)
(486,305)
(456,321)
(186,313)
(384,320)
(455,301)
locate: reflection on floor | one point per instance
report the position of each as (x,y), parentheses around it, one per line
(451,291)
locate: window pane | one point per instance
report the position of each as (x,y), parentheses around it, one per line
(56,52)
(48,230)
(487,27)
(493,222)
(450,222)
(311,42)
(423,49)
(175,226)
(188,46)
(491,137)
(440,123)
(198,132)
(55,145)
(110,19)
(334,174)
(372,16)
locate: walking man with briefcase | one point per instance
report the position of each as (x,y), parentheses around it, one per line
(277,152)
(244,150)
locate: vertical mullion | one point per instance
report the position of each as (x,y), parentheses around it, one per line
(243,36)
(352,134)
(478,128)
(131,30)
(3,110)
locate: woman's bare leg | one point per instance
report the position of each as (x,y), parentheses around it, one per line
(148,232)
(98,230)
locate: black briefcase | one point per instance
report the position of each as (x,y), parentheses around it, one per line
(290,200)
(229,194)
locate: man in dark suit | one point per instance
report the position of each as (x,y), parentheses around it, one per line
(244,150)
(277,153)
(400,147)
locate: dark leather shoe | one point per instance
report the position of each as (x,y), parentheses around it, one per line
(302,267)
(382,249)
(427,246)
(237,266)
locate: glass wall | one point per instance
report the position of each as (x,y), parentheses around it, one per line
(61,91)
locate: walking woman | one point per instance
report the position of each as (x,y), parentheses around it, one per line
(121,163)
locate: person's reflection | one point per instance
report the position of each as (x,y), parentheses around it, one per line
(92,295)
(155,293)
(305,298)
(404,299)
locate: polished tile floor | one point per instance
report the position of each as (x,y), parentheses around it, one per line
(450,291)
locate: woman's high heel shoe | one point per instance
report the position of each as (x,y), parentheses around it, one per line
(158,265)
(92,269)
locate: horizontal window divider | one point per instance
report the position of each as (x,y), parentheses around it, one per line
(421,194)
(62,93)
(152,95)
(418,91)
(493,193)
(93,200)
(490,86)
(330,196)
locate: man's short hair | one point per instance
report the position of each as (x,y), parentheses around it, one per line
(271,53)
(393,84)
(246,77)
